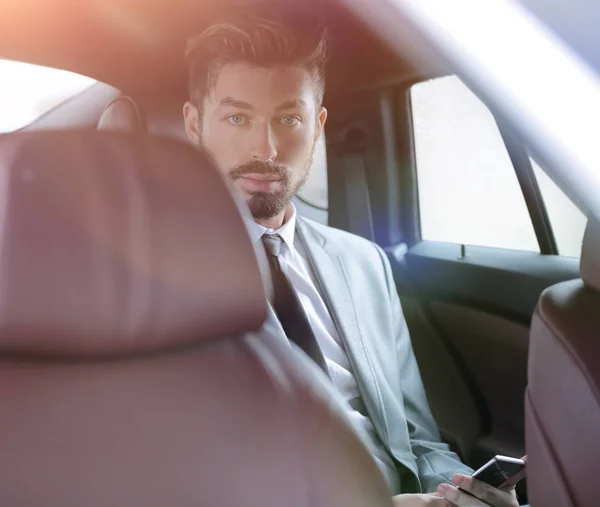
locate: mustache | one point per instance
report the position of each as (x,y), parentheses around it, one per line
(256,167)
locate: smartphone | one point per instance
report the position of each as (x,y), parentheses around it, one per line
(499,470)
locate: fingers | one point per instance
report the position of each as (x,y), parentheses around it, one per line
(521,474)
(421,500)
(435,500)
(457,498)
(476,493)
(511,483)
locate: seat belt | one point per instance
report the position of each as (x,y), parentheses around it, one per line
(349,200)
(358,202)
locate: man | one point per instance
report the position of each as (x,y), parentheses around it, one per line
(255,107)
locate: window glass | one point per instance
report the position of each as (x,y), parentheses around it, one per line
(28,91)
(468,189)
(568,223)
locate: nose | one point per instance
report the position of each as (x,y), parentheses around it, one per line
(263,147)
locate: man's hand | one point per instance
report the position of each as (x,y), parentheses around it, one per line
(424,500)
(482,494)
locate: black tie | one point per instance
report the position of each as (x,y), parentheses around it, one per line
(288,306)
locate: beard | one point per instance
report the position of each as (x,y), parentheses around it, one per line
(266,205)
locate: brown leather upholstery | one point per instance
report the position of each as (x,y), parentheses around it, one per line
(120,257)
(122,113)
(563,395)
(99,239)
(166,119)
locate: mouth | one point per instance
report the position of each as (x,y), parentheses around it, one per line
(261,177)
(259,182)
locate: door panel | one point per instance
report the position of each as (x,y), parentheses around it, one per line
(469,322)
(451,399)
(506,282)
(494,350)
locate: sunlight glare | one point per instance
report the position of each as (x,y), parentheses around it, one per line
(28,91)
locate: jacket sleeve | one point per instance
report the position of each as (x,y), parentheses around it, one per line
(435,462)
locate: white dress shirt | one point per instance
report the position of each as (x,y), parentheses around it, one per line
(294,262)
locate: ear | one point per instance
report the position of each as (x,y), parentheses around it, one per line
(321,119)
(191,118)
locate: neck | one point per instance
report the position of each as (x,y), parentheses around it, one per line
(272,223)
(277,221)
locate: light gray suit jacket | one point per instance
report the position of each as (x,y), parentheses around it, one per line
(356,281)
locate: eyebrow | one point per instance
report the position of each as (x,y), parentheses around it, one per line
(292,104)
(240,104)
(288,104)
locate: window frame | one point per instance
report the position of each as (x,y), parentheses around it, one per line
(410,202)
(530,188)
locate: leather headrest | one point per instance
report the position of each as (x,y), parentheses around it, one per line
(122,113)
(589,267)
(112,243)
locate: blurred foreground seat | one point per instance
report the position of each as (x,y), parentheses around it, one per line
(130,372)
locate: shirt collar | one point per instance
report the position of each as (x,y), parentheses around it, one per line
(287,231)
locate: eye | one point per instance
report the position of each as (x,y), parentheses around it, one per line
(290,121)
(236,119)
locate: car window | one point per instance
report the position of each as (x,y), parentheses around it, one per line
(568,223)
(468,189)
(28,91)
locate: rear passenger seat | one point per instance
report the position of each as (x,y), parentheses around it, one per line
(124,114)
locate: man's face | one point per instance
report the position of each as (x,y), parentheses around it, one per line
(260,126)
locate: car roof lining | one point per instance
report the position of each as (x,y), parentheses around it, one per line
(138,47)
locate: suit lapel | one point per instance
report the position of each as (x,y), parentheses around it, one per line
(327,265)
(272,326)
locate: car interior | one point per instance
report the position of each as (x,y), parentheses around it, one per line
(500,289)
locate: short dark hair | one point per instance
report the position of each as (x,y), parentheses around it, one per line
(258,41)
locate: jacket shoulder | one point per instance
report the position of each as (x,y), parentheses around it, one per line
(346,242)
